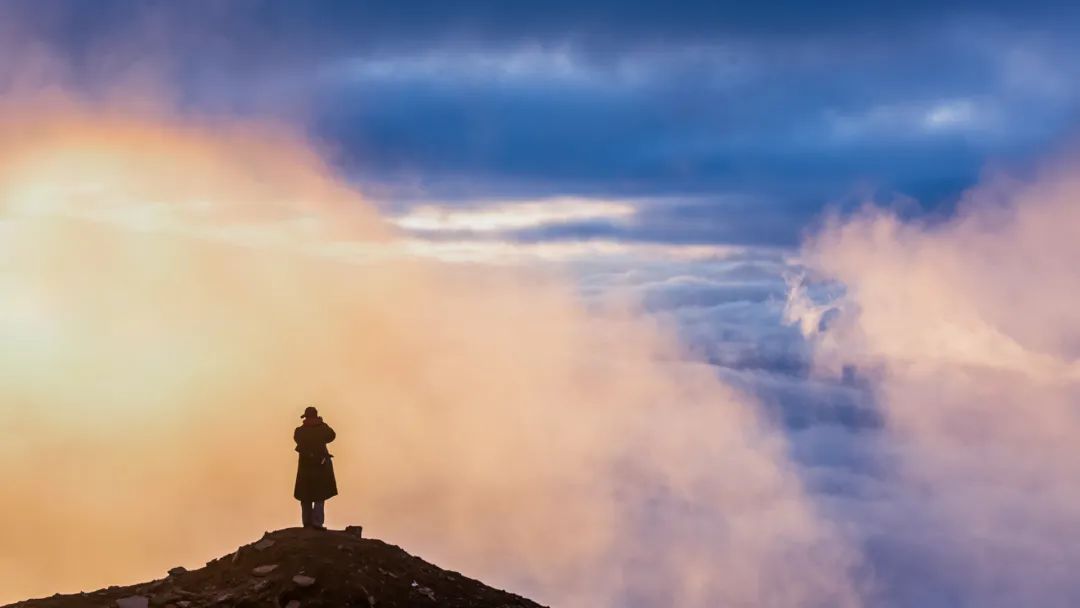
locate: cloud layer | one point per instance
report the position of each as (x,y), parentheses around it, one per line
(181,286)
(172,301)
(969,335)
(785,110)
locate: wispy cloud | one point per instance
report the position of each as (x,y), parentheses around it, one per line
(915,119)
(501,217)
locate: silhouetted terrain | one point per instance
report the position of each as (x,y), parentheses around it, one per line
(301,568)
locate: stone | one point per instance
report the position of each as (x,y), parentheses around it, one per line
(264,570)
(265,543)
(370,598)
(177,570)
(356,530)
(427,592)
(164,599)
(135,601)
(293,604)
(303,580)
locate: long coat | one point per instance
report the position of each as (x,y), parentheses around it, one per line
(315,469)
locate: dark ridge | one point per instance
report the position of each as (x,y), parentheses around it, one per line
(298,568)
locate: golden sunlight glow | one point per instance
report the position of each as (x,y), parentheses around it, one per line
(173,293)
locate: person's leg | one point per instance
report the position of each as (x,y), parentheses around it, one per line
(306,512)
(318,515)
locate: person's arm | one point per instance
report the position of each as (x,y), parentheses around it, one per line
(330,434)
(296,438)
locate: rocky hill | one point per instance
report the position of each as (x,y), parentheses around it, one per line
(298,568)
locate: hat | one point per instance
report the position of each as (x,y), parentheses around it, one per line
(310,412)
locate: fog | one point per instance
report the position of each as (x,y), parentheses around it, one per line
(967,331)
(175,291)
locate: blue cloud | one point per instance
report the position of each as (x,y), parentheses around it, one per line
(703,123)
(791,107)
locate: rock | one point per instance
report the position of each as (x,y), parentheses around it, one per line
(333,568)
(236,556)
(303,581)
(370,598)
(265,543)
(163,599)
(357,530)
(135,601)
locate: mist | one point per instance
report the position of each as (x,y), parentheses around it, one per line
(176,291)
(967,333)
(187,261)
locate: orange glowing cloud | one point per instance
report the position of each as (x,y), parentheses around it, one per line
(175,292)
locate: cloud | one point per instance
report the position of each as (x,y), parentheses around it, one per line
(792,136)
(509,252)
(792,111)
(512,216)
(969,335)
(172,306)
(192,281)
(918,120)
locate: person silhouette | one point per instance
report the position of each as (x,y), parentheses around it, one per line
(315,482)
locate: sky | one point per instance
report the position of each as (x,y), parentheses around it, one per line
(847,226)
(720,123)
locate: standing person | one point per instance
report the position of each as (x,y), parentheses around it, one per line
(315,481)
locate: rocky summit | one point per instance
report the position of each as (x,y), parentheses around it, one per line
(298,568)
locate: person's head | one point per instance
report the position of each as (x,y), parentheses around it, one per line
(310,412)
